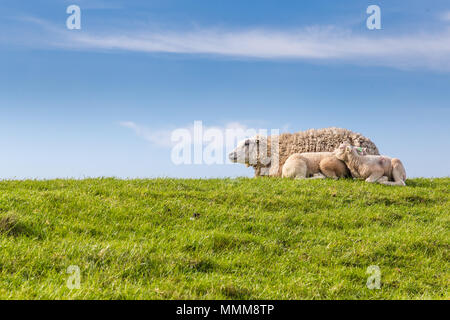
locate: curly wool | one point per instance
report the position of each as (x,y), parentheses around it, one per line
(314,140)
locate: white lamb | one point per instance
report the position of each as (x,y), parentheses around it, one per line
(372,168)
(314,165)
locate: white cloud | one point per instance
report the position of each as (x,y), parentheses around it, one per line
(408,51)
(445,16)
(162,137)
(157,137)
(412,50)
(96,4)
(234,130)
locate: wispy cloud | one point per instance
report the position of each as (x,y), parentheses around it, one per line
(445,16)
(157,137)
(162,137)
(96,4)
(419,50)
(413,50)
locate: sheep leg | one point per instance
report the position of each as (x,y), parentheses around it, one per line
(333,168)
(329,174)
(327,171)
(295,168)
(398,181)
(318,176)
(375,176)
(398,171)
(398,174)
(394,183)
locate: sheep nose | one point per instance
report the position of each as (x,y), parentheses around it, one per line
(232,156)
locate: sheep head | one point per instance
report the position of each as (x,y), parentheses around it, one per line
(251,151)
(343,151)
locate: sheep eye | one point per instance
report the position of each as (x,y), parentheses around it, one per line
(247,143)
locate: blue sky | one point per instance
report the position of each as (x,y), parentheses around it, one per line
(161,65)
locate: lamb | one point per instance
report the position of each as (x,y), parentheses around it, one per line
(372,168)
(257,151)
(314,165)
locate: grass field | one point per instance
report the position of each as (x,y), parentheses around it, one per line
(224,238)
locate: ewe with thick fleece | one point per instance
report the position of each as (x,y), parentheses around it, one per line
(372,168)
(314,164)
(257,151)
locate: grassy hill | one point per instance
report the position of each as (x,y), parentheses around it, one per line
(224,238)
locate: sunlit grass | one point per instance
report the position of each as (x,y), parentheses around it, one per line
(224,239)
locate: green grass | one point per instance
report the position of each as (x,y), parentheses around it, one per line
(224,239)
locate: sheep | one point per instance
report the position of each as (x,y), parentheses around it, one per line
(314,165)
(257,151)
(372,168)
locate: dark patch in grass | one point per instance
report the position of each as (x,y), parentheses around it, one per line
(415,199)
(233,292)
(421,183)
(192,247)
(93,232)
(250,228)
(11,225)
(388,220)
(220,242)
(283,243)
(408,200)
(293,220)
(201,265)
(395,216)
(351,263)
(8,224)
(334,225)
(146,267)
(428,247)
